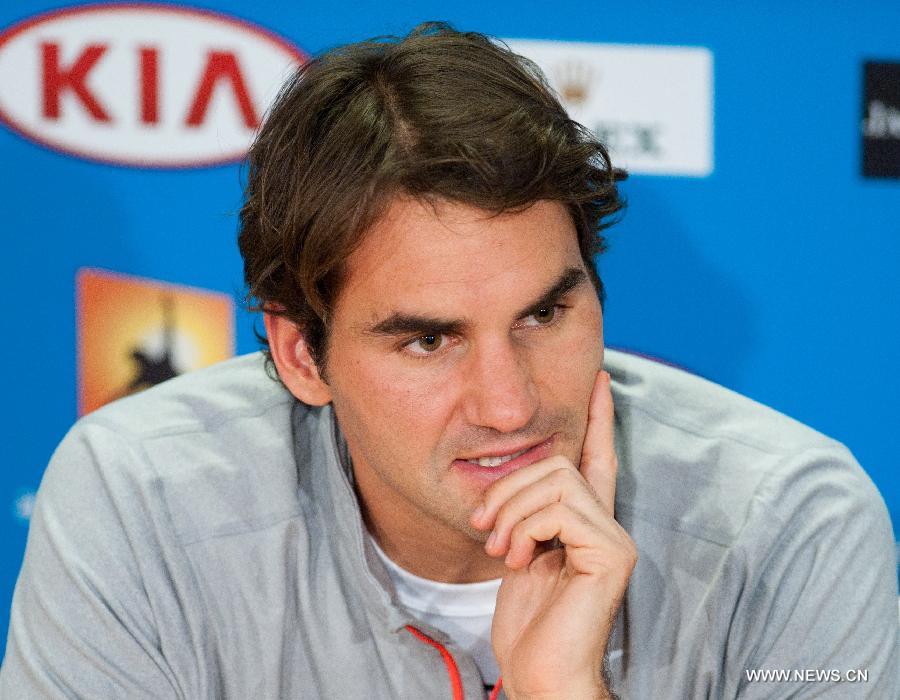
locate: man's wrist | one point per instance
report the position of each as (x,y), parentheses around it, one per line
(592,693)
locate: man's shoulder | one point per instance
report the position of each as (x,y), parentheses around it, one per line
(667,394)
(699,459)
(197,401)
(746,523)
(213,447)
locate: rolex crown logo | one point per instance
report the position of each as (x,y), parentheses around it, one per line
(574,81)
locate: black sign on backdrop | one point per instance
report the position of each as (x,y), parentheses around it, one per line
(881,120)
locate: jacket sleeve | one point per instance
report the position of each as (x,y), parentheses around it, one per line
(817,616)
(81,624)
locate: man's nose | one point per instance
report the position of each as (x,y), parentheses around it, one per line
(500,392)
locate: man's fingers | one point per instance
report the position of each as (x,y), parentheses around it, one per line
(502,490)
(598,455)
(562,485)
(591,547)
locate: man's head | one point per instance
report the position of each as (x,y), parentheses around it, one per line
(420,228)
(438,114)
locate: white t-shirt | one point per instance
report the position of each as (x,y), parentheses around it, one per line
(463,611)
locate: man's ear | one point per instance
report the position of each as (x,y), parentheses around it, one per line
(296,368)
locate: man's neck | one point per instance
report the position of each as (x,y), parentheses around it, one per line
(436,552)
(457,562)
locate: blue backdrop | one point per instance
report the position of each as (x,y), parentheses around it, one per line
(776,275)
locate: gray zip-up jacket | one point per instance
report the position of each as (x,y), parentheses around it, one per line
(202,540)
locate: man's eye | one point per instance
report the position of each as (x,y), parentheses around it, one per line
(426,344)
(543,316)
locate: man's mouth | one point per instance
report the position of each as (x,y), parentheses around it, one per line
(496,461)
(494,465)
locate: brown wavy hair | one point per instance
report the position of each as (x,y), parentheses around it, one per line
(437,114)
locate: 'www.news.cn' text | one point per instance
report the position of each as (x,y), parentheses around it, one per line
(806,675)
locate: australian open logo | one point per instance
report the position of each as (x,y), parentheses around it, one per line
(134,333)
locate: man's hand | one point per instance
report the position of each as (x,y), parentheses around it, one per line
(555,611)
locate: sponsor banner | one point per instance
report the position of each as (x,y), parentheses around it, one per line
(652,106)
(881,120)
(134,333)
(141,84)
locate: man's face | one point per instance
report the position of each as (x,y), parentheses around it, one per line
(459,335)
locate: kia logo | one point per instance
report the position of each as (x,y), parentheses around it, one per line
(144,85)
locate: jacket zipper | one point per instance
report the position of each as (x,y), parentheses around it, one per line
(452,668)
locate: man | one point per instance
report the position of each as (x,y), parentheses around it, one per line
(444,494)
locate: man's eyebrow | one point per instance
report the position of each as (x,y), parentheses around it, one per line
(399,324)
(570,278)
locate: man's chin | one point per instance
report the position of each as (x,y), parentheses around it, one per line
(480,536)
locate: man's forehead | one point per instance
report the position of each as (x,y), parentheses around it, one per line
(452,265)
(417,248)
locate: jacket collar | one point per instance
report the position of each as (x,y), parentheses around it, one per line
(325,471)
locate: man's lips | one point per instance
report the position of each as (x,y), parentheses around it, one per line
(531,455)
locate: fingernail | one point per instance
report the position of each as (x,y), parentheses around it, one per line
(492,539)
(479,511)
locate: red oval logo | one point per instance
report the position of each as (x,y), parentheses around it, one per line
(144,85)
